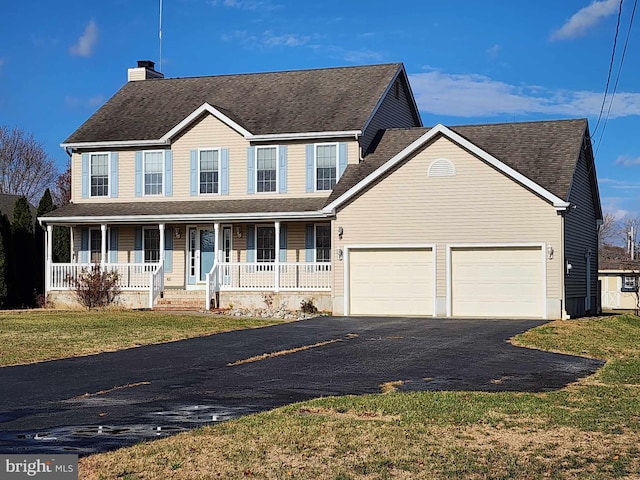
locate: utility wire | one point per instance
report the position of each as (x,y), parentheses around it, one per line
(613,55)
(615,86)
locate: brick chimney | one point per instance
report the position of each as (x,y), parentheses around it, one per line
(144,71)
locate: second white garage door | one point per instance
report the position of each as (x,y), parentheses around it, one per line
(391,282)
(497,282)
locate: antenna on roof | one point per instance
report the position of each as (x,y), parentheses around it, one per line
(160,62)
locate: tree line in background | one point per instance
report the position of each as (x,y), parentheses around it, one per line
(614,232)
(27,171)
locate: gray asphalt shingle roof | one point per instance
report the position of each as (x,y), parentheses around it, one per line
(545,152)
(329,99)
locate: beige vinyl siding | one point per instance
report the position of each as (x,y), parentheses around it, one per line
(478,205)
(581,235)
(209,132)
(392,113)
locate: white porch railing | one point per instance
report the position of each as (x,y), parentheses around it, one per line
(156,284)
(261,276)
(131,276)
(212,285)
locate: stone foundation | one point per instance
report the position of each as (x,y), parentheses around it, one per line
(65,299)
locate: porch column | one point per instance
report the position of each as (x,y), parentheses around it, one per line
(277,255)
(103,246)
(161,228)
(48,248)
(73,258)
(216,249)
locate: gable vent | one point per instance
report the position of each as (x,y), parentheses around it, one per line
(442,168)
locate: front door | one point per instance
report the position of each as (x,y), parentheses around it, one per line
(201,254)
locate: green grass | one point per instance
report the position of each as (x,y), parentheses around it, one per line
(35,336)
(590,429)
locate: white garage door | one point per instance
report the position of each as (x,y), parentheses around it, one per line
(391,282)
(497,282)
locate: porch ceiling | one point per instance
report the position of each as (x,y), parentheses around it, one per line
(185,211)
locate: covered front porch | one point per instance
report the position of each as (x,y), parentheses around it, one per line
(267,257)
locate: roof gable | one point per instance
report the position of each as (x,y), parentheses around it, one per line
(320,100)
(539,155)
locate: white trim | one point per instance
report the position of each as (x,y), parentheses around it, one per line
(144,170)
(305,135)
(452,246)
(181,218)
(216,149)
(386,246)
(115,143)
(276,168)
(315,164)
(440,129)
(108,154)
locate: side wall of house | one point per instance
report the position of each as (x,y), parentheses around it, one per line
(581,243)
(395,111)
(479,206)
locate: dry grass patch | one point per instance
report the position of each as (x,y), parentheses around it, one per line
(39,335)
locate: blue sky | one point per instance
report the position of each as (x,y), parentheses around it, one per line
(468,61)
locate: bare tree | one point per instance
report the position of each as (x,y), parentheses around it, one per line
(25,168)
(62,192)
(608,231)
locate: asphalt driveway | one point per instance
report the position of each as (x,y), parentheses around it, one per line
(94,403)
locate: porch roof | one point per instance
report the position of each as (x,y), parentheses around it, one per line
(188,211)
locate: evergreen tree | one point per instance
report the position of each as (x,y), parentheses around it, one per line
(45,206)
(23,248)
(61,244)
(6,266)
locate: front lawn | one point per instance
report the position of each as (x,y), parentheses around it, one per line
(588,430)
(35,336)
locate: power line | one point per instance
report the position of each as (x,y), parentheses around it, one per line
(613,55)
(615,86)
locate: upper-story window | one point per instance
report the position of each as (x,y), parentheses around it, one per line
(266,169)
(209,166)
(153,171)
(326,166)
(99,173)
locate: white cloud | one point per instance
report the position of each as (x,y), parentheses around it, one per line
(583,19)
(628,161)
(472,95)
(363,56)
(494,51)
(286,40)
(243,4)
(84,46)
(88,103)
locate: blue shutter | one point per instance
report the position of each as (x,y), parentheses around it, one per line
(283,243)
(309,243)
(84,245)
(193,172)
(309,167)
(114,175)
(113,245)
(251,243)
(342,159)
(168,173)
(168,250)
(251,169)
(138,174)
(138,246)
(282,174)
(224,171)
(85,175)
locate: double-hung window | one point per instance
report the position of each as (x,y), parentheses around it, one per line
(99,173)
(629,284)
(95,246)
(153,169)
(151,245)
(209,165)
(323,243)
(265,244)
(326,166)
(266,169)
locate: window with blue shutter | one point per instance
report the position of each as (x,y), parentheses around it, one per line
(224,171)
(168,173)
(251,243)
(138,174)
(282,165)
(283,243)
(85,175)
(193,172)
(138,246)
(114,175)
(251,169)
(309,243)
(309,162)
(168,250)
(84,245)
(342,159)
(113,245)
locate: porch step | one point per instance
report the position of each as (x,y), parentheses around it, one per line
(181,300)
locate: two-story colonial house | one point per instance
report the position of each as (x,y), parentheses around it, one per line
(323,184)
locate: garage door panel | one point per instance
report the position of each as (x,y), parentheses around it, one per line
(505,282)
(391,282)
